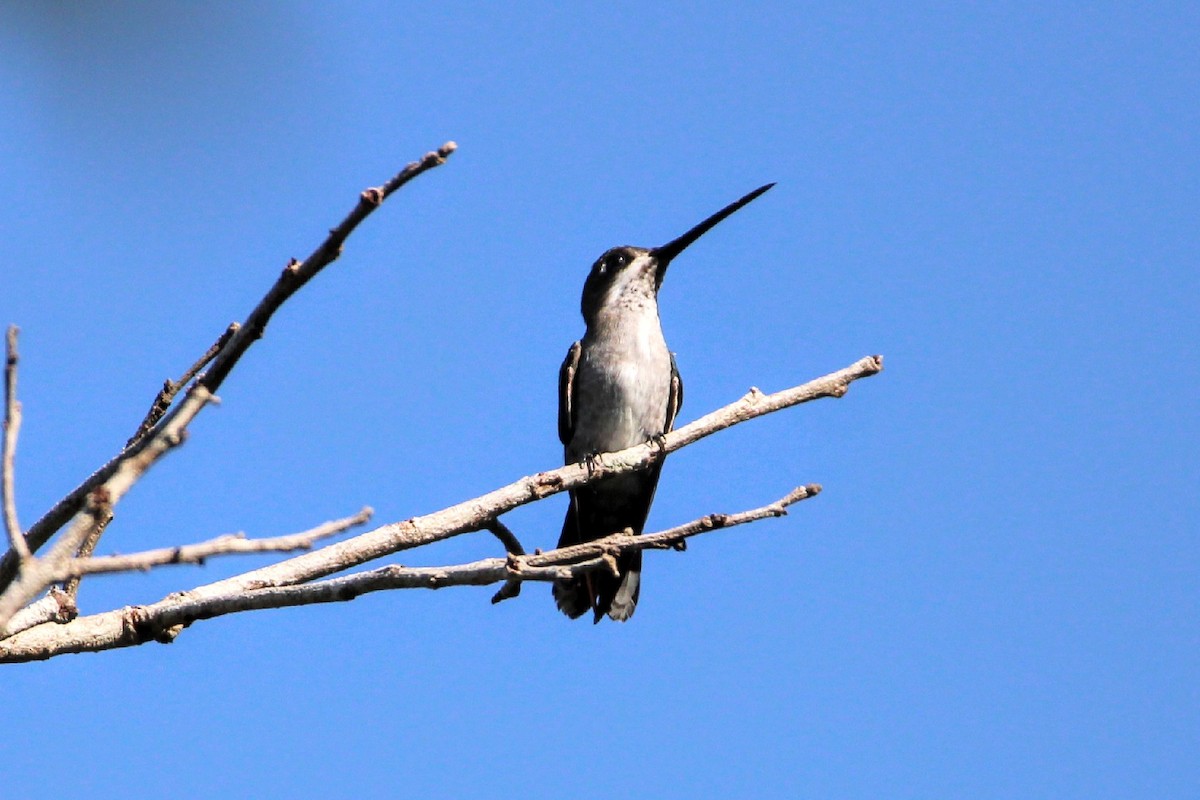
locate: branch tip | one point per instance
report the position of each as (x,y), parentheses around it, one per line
(798,494)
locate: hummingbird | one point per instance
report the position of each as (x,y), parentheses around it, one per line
(618,387)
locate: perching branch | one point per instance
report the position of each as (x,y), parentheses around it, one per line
(114,629)
(473,515)
(162,621)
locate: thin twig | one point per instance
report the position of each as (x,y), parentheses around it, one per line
(507,538)
(158,408)
(665,540)
(615,543)
(12,426)
(36,576)
(294,276)
(163,620)
(164,399)
(71,587)
(229,544)
(511,587)
(298,273)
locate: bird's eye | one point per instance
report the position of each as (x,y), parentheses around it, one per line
(610,263)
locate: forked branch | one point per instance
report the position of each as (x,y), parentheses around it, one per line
(295,275)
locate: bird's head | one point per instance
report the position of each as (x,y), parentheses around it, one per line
(631,276)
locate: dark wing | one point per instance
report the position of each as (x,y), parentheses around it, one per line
(566,394)
(675,399)
(573,597)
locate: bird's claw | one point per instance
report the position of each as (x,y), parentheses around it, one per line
(660,441)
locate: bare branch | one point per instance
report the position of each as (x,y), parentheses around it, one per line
(667,539)
(164,399)
(228,544)
(12,426)
(71,587)
(160,406)
(298,273)
(336,590)
(511,587)
(294,276)
(472,515)
(506,537)
(163,620)
(35,576)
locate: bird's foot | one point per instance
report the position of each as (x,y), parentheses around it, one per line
(660,441)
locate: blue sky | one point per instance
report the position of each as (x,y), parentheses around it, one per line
(997,594)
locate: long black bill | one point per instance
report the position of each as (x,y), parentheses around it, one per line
(674,247)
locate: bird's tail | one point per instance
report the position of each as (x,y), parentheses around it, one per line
(573,597)
(623,602)
(600,592)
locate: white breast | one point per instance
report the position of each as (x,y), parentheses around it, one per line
(622,385)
